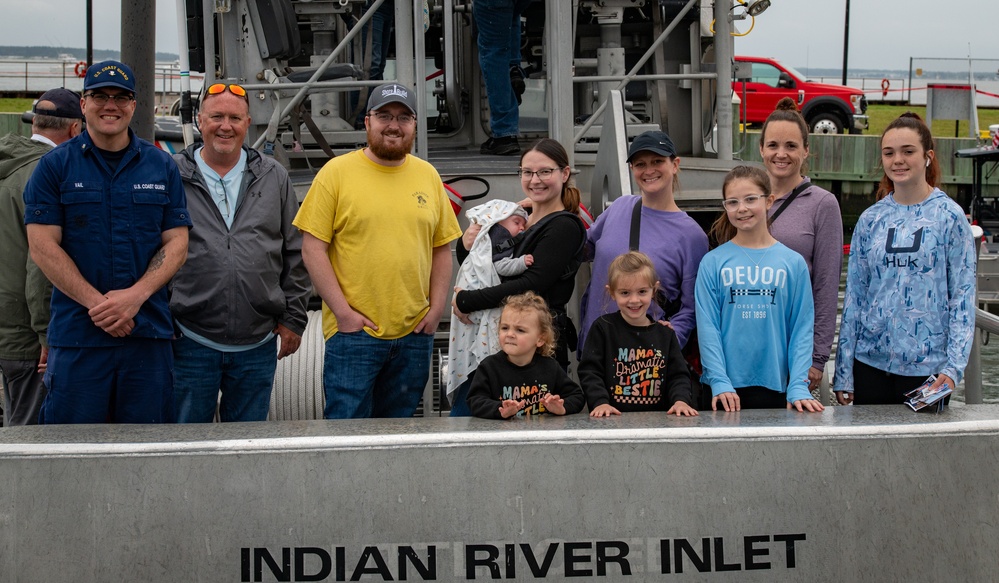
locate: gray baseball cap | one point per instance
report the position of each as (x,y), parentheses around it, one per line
(391,93)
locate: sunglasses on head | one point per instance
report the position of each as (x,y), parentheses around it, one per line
(233,88)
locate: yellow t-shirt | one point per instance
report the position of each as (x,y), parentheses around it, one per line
(382,223)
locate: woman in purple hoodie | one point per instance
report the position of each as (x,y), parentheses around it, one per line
(653,224)
(805,218)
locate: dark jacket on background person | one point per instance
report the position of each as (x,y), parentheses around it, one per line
(238,283)
(24,290)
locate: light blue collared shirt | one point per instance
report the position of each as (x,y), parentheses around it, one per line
(223,189)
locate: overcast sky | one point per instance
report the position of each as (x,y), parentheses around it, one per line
(63,23)
(884,34)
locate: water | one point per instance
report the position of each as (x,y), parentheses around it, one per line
(38,75)
(990,371)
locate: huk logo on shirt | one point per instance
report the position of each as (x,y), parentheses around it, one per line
(893,248)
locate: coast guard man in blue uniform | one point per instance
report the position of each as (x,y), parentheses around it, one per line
(107,223)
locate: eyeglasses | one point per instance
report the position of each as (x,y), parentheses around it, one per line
(751,200)
(233,88)
(543,174)
(404,119)
(101,99)
(223,198)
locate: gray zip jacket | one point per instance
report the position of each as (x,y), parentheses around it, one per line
(238,283)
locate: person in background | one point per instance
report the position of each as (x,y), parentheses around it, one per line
(107,223)
(630,361)
(498,39)
(910,300)
(807,219)
(754,306)
(523,379)
(376,34)
(24,291)
(376,227)
(244,285)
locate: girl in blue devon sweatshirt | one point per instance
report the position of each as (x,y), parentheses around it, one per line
(910,286)
(754,306)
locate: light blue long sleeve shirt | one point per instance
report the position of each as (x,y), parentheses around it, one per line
(910,291)
(755,319)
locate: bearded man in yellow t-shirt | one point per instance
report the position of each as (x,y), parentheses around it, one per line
(377,226)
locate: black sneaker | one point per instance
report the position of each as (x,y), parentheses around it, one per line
(518,84)
(505,146)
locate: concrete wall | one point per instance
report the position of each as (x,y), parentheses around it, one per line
(853,494)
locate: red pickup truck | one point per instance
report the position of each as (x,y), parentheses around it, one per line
(828,109)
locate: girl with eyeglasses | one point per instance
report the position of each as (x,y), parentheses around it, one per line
(754,306)
(554,238)
(652,223)
(909,310)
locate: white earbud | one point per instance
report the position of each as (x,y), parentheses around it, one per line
(927,162)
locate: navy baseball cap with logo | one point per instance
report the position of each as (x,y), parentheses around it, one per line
(653,141)
(59,102)
(109,74)
(391,93)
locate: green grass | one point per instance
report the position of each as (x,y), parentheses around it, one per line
(882,115)
(14,105)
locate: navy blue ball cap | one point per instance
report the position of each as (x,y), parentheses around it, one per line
(59,102)
(653,141)
(109,74)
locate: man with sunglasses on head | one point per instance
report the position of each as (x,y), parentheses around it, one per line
(25,293)
(244,285)
(376,231)
(107,223)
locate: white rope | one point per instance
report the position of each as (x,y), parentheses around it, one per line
(298,381)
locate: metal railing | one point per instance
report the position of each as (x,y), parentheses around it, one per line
(985,323)
(40,75)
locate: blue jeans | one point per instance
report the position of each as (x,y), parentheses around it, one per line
(129,383)
(244,378)
(365,376)
(498,24)
(379,28)
(459,406)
